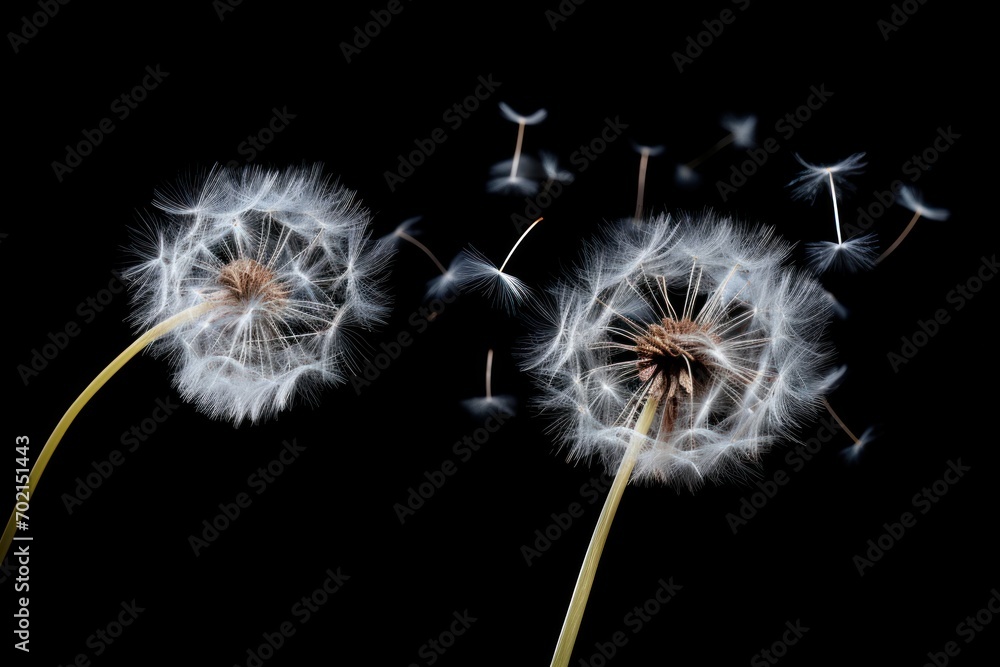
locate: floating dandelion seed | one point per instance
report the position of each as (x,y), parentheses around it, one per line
(853,452)
(741,134)
(677,353)
(490,403)
(553,174)
(911,199)
(447,282)
(441,285)
(478,272)
(851,255)
(515,182)
(403,232)
(255,288)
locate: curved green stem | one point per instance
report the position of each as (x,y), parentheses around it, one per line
(50,445)
(578,603)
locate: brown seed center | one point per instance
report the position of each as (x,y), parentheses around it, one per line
(669,354)
(247,279)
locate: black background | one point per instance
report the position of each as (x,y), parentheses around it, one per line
(364,450)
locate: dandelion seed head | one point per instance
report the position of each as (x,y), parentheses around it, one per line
(285,259)
(700,314)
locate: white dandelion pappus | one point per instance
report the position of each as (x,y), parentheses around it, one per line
(816,176)
(910,198)
(524,182)
(448,282)
(476,271)
(553,173)
(677,352)
(742,129)
(285,262)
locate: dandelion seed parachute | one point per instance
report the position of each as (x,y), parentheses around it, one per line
(815,177)
(524,182)
(516,182)
(448,282)
(550,165)
(911,198)
(855,254)
(742,128)
(478,272)
(850,256)
(853,452)
(514,117)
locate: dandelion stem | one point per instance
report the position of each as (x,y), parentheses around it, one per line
(517,149)
(895,244)
(532,226)
(836,213)
(50,446)
(406,237)
(578,603)
(489,375)
(643,161)
(836,417)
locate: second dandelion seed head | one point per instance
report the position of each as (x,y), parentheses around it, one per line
(700,318)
